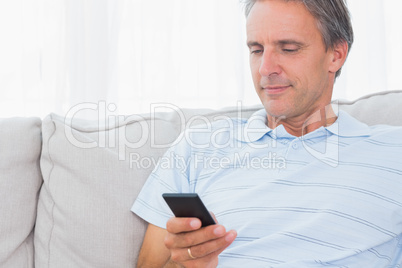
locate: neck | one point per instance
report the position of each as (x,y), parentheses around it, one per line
(303,124)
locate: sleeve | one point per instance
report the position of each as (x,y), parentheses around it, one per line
(171,175)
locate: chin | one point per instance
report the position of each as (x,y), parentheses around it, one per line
(275,108)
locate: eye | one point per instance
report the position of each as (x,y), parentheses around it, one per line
(289,50)
(255,48)
(256,51)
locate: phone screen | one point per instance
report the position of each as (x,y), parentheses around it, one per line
(189,206)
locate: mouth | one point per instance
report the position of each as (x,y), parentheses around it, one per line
(274,90)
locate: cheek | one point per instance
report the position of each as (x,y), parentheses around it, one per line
(301,72)
(253,65)
(255,71)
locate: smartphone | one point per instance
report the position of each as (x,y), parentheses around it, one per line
(189,206)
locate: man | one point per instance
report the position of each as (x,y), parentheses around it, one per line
(340,207)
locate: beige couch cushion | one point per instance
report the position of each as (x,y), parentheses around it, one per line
(379,108)
(20,180)
(92,174)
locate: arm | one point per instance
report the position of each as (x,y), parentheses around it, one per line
(153,251)
(169,248)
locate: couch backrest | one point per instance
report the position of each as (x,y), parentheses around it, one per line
(84,216)
(92,172)
(379,108)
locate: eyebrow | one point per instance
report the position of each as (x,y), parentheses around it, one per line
(280,42)
(290,42)
(253,43)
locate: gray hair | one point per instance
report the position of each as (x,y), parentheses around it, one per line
(333,20)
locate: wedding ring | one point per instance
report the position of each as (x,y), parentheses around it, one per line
(189,253)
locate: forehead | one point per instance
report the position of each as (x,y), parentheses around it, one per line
(276,18)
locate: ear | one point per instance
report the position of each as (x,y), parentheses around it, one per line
(338,57)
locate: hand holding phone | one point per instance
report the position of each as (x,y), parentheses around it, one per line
(189,205)
(180,234)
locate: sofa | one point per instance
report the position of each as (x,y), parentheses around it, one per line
(67,185)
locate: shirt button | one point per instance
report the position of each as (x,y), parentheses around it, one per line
(295,146)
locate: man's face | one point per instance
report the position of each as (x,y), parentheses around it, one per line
(290,66)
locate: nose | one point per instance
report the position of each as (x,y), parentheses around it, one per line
(269,64)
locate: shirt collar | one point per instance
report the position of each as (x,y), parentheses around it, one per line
(256,127)
(348,126)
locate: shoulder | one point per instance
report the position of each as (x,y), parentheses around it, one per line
(217,132)
(386,141)
(386,131)
(350,127)
(224,128)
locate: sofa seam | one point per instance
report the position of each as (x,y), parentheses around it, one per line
(53,205)
(27,251)
(39,190)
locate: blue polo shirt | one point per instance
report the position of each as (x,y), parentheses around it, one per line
(330,198)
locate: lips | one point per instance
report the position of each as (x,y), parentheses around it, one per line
(275,89)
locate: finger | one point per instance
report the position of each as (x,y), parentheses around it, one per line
(209,261)
(188,239)
(179,225)
(214,246)
(205,251)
